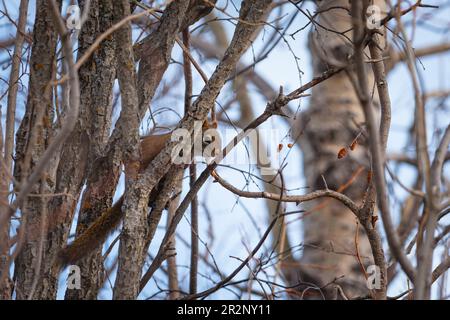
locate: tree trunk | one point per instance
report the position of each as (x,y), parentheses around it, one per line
(332,122)
(33,137)
(97,77)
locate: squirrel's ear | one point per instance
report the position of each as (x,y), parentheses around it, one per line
(208,125)
(151,146)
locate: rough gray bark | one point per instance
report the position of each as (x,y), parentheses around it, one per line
(33,137)
(130,116)
(90,139)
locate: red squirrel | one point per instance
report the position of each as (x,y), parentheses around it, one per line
(95,235)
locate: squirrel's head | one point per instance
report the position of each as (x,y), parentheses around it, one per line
(151,145)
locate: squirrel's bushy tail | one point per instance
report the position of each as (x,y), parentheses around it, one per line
(93,237)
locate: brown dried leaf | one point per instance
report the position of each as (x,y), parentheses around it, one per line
(342,153)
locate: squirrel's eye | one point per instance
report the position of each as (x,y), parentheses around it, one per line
(207,139)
